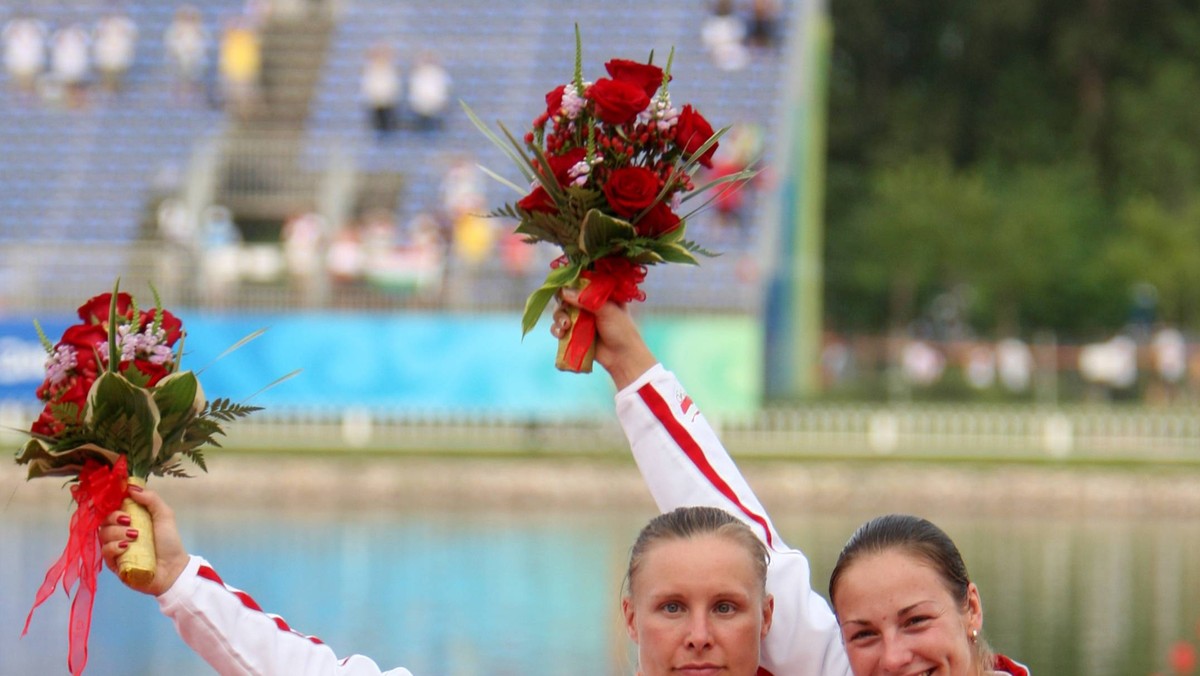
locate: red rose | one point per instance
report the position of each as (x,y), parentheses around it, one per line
(46,425)
(560,168)
(693,131)
(95,311)
(538,200)
(560,165)
(554,101)
(170,324)
(617,101)
(72,390)
(84,337)
(645,76)
(631,189)
(658,221)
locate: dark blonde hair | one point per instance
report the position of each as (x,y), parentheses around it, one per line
(684,523)
(922,540)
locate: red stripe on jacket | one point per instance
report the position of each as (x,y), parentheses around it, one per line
(209,574)
(691,448)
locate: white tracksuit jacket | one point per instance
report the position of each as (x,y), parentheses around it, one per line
(683,464)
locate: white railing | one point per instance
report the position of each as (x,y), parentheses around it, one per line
(974,433)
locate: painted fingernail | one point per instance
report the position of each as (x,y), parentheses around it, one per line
(124,520)
(122,545)
(135,488)
(131,533)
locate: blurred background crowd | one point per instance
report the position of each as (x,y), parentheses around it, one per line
(1009,207)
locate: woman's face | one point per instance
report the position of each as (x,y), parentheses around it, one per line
(697,608)
(898,617)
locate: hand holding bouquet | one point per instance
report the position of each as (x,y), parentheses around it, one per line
(611,164)
(117,410)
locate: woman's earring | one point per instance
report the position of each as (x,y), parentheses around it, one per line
(974,635)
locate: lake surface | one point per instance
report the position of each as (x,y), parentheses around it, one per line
(462,592)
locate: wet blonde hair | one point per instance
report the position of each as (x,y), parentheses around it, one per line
(688,522)
(685,522)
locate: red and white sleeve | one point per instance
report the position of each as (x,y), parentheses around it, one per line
(684,464)
(227,628)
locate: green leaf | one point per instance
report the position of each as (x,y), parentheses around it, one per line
(114,354)
(599,233)
(537,301)
(503,181)
(743,176)
(117,407)
(647,258)
(518,159)
(534,306)
(673,253)
(180,399)
(535,231)
(45,461)
(234,347)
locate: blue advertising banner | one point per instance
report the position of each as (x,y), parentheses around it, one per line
(429,363)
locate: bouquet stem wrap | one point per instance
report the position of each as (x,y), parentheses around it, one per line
(577,348)
(97,494)
(137,565)
(611,278)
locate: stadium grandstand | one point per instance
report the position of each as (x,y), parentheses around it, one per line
(269,207)
(132,179)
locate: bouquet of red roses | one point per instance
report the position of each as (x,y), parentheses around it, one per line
(611,164)
(118,409)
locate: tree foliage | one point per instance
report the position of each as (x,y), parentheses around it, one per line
(1043,153)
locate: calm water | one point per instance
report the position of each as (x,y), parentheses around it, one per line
(530,594)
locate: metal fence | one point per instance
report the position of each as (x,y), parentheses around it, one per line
(937,433)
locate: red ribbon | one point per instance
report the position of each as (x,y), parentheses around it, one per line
(98,493)
(610,278)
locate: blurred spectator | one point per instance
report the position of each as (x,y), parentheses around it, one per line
(1014,361)
(723,35)
(221,260)
(764,24)
(738,151)
(1112,364)
(462,188)
(114,44)
(837,361)
(921,363)
(979,367)
(380,88)
(474,239)
(428,91)
(414,266)
(1168,355)
(186,41)
(377,235)
(240,66)
(302,236)
(70,62)
(24,51)
(345,261)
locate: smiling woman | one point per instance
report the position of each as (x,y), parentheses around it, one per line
(904,602)
(696,600)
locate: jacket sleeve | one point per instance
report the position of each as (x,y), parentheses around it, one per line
(226,627)
(684,464)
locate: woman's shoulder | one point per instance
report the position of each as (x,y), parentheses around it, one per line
(1003,666)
